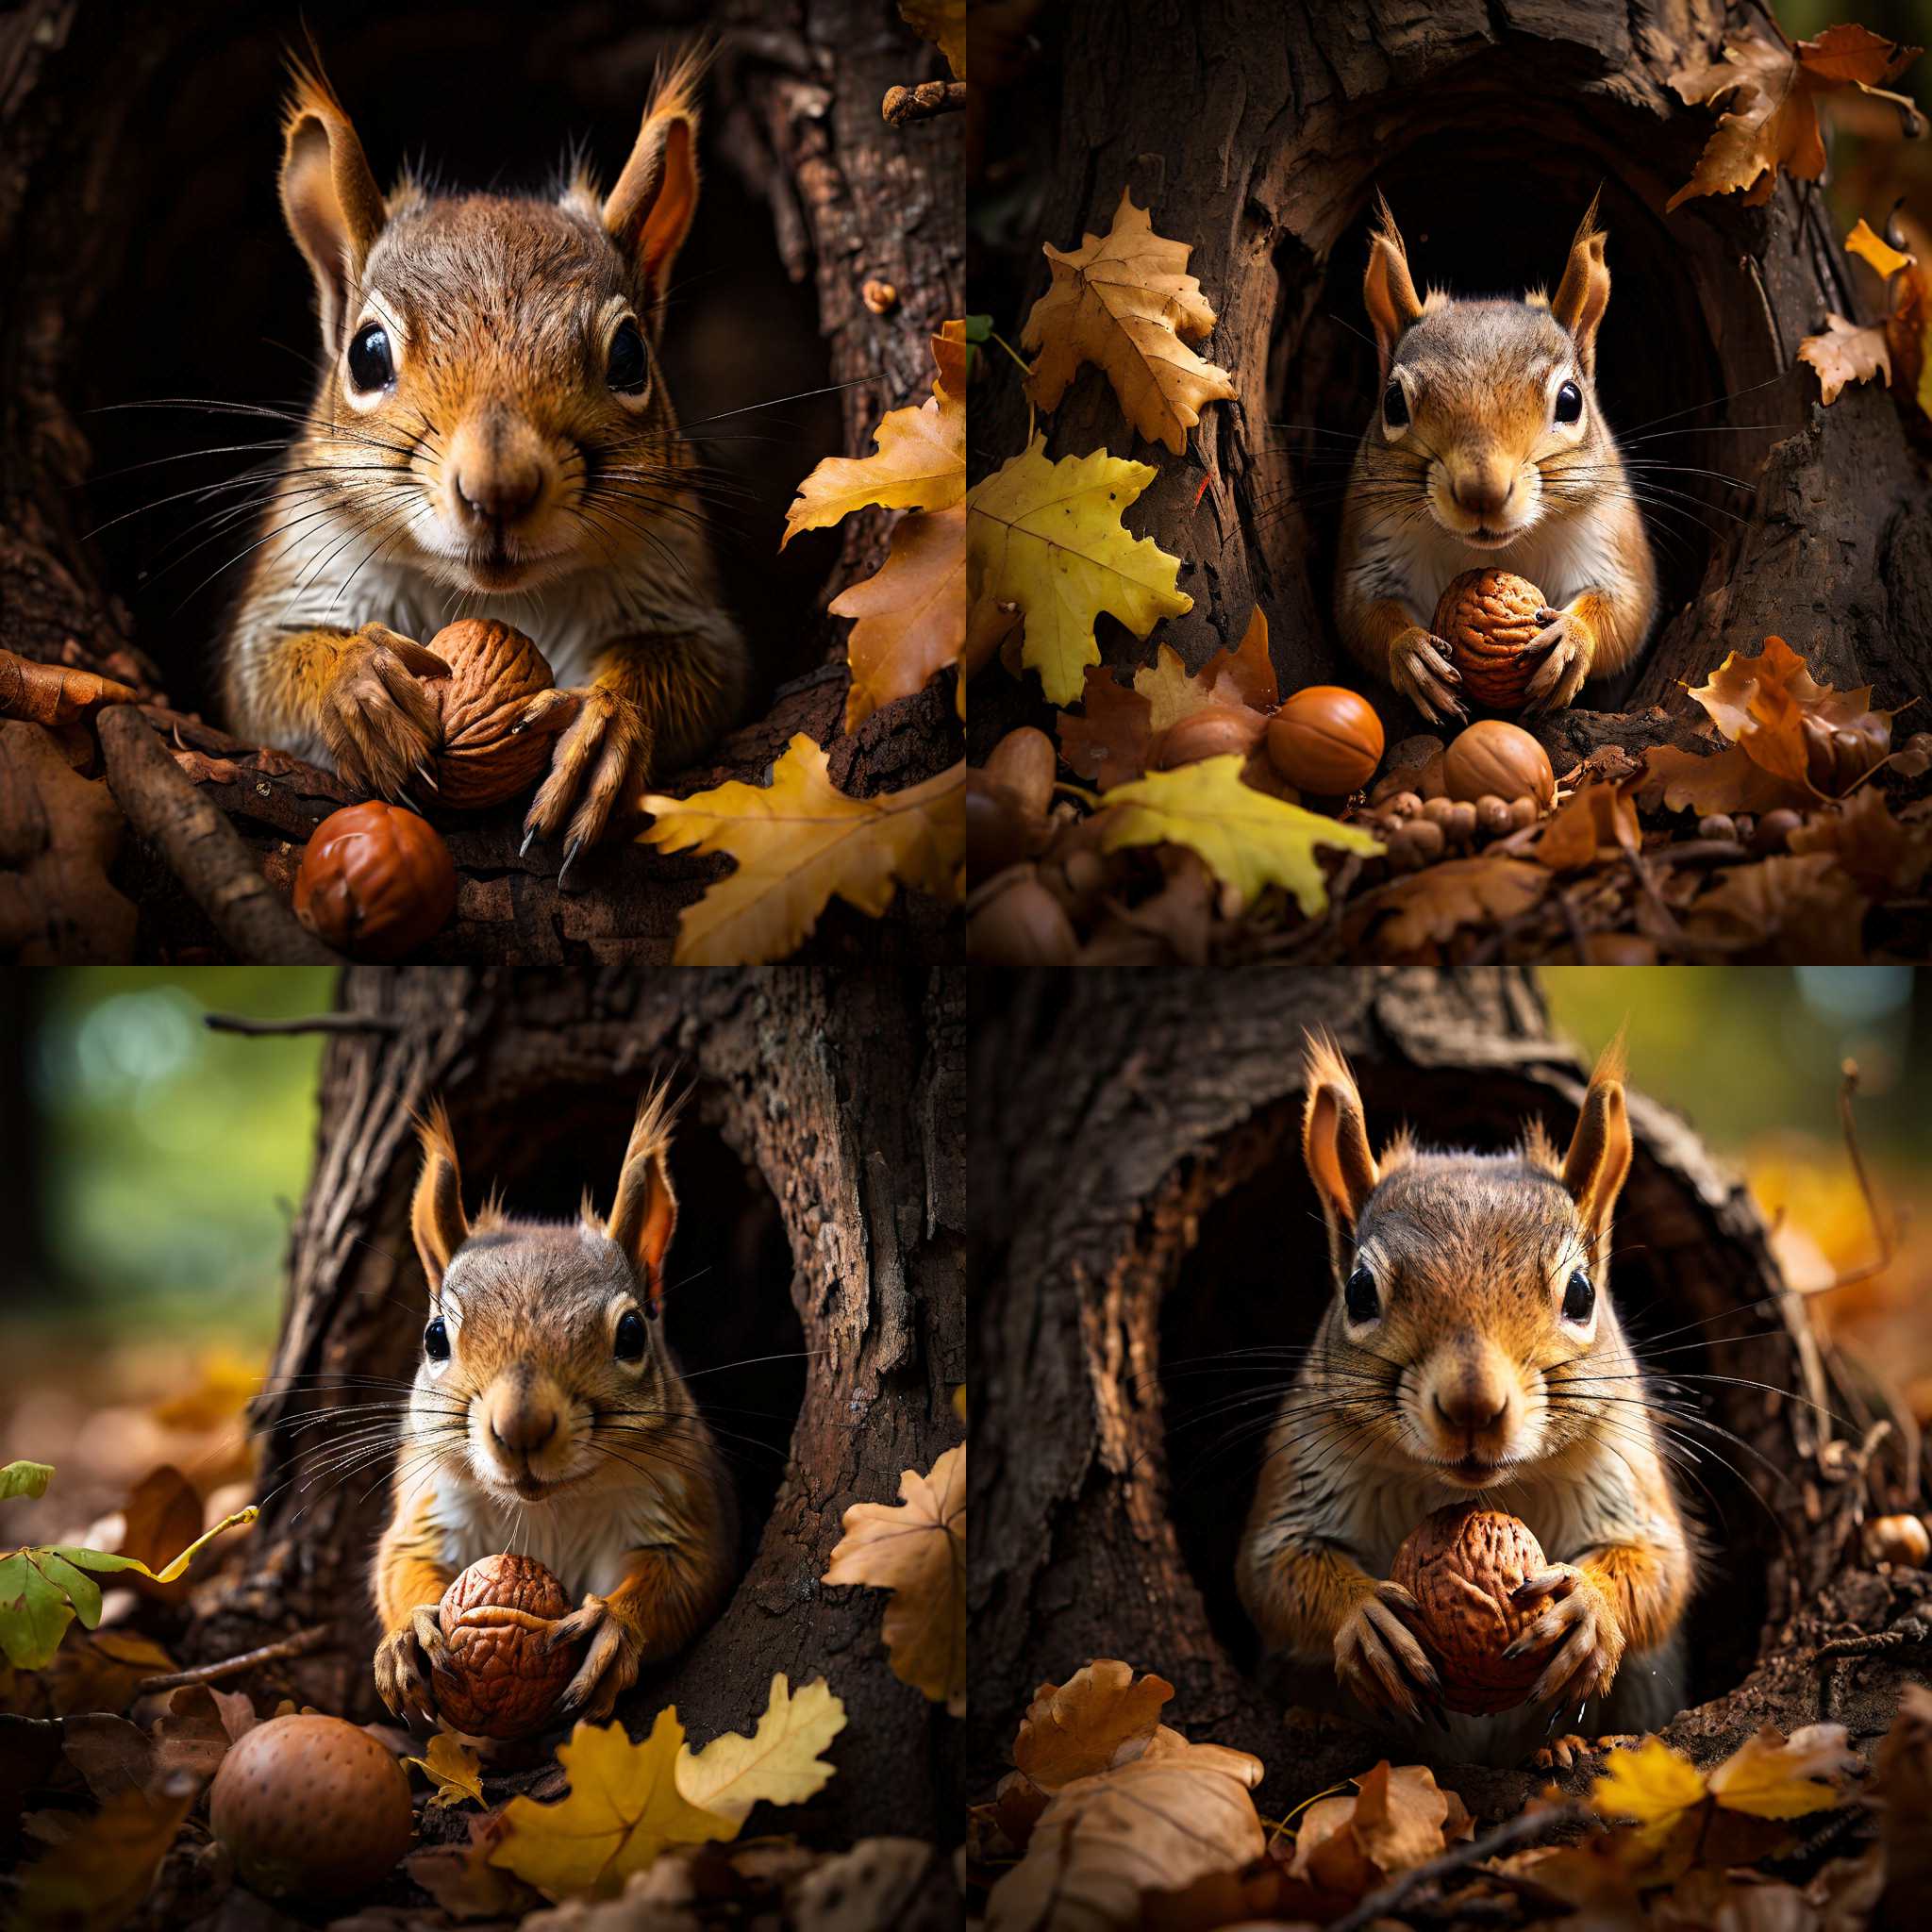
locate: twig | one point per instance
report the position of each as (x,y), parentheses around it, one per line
(202,849)
(926,101)
(1907,1630)
(1887,1245)
(301,1642)
(314,1022)
(1507,1837)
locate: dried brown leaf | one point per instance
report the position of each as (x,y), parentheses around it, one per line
(1429,906)
(1102,1715)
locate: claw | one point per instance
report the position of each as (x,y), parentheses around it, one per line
(570,852)
(529,840)
(428,777)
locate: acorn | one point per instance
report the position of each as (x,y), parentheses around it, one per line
(375,882)
(1325,739)
(1489,618)
(1025,762)
(1900,1540)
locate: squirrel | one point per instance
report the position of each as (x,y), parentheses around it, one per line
(491,424)
(1470,1349)
(547,1414)
(1489,449)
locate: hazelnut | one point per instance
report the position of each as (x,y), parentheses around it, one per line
(501,1680)
(1327,741)
(1000,830)
(1900,1540)
(1775,830)
(1493,757)
(1417,842)
(1461,1565)
(1523,812)
(1025,762)
(310,1807)
(1023,926)
(493,673)
(1492,815)
(1461,823)
(375,882)
(1488,618)
(1403,805)
(880,297)
(1209,733)
(1717,825)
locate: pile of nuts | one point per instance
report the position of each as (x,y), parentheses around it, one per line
(1491,780)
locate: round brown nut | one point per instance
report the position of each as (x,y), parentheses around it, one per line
(1523,812)
(1775,830)
(1461,1565)
(1403,805)
(1717,825)
(1489,618)
(502,1679)
(1438,812)
(1491,815)
(495,670)
(1025,762)
(1023,926)
(1211,732)
(310,1807)
(1461,823)
(1000,830)
(1900,1540)
(1327,741)
(375,882)
(1425,838)
(1493,757)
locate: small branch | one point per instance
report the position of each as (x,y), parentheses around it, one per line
(202,849)
(1907,1630)
(925,102)
(302,1641)
(314,1022)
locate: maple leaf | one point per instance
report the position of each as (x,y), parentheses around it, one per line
(622,1808)
(452,1768)
(56,693)
(1775,1776)
(1047,538)
(799,840)
(1122,300)
(943,22)
(912,613)
(778,1764)
(1102,1714)
(1428,905)
(917,1550)
(1846,353)
(96,1877)
(1248,838)
(919,461)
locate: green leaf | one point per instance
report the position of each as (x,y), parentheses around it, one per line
(25,1479)
(81,1589)
(31,1626)
(980,328)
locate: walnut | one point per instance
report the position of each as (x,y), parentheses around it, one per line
(1461,1565)
(501,1681)
(375,882)
(494,672)
(1492,759)
(1488,618)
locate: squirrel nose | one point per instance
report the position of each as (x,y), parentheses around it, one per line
(1484,494)
(499,495)
(1471,1405)
(523,1430)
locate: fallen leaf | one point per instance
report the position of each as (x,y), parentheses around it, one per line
(1874,250)
(622,1808)
(1248,840)
(778,1764)
(1122,300)
(194,1734)
(1801,909)
(95,1878)
(1846,353)
(1428,905)
(911,614)
(1729,780)
(1650,1788)
(110,1754)
(1100,1715)
(25,1479)
(99,1673)
(1243,675)
(1775,1776)
(55,694)
(1110,742)
(452,1768)
(1047,538)
(1595,817)
(943,22)
(917,1550)
(461,1879)
(799,840)
(162,1512)
(879,1882)
(1884,855)
(1346,1846)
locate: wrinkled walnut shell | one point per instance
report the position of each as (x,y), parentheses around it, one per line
(1461,1565)
(1488,618)
(375,882)
(1492,759)
(502,1682)
(1325,739)
(495,670)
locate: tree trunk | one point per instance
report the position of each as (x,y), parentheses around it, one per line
(1145,1202)
(1259,134)
(824,1141)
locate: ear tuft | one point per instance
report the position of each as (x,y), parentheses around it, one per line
(645,1215)
(1584,292)
(1599,1154)
(329,197)
(1335,1139)
(1387,287)
(650,210)
(436,1212)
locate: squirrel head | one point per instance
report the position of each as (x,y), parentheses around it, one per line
(1472,1289)
(543,1362)
(491,397)
(1489,406)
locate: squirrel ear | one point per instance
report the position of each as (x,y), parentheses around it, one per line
(1599,1155)
(649,212)
(436,1214)
(1335,1136)
(1387,288)
(1584,292)
(644,1214)
(329,198)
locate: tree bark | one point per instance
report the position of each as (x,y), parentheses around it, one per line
(1139,1144)
(1261,133)
(835,1103)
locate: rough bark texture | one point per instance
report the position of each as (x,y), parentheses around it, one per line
(1143,1201)
(843,1102)
(85,95)
(1261,133)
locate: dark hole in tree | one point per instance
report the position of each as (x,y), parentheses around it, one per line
(1256,1277)
(209,298)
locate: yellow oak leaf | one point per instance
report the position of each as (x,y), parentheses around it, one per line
(911,614)
(1873,248)
(1775,1777)
(452,1768)
(1122,300)
(797,841)
(778,1764)
(1846,353)
(622,1808)
(1651,1787)
(1248,838)
(943,22)
(917,1549)
(920,462)
(1242,674)
(1047,538)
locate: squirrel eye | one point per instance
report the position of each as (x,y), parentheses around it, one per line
(436,1341)
(1361,1299)
(1579,1298)
(1569,403)
(628,367)
(371,364)
(1396,407)
(630,1336)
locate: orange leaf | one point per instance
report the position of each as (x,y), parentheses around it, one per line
(1428,905)
(1599,815)
(1725,781)
(1243,675)
(1847,55)
(55,694)
(1802,908)
(1099,1716)
(911,614)
(1109,743)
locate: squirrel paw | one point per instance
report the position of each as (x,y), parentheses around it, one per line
(1571,645)
(609,1667)
(378,721)
(1570,1753)
(1379,1658)
(1420,670)
(1582,1625)
(603,758)
(404,1660)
